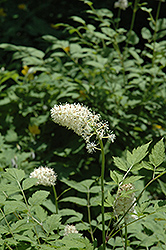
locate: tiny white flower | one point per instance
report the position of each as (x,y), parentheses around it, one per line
(70,229)
(46,176)
(122,4)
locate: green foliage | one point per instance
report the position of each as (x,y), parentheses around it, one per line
(120,73)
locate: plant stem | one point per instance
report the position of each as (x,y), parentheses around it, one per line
(89,216)
(125,236)
(102,193)
(154,35)
(132,22)
(56,201)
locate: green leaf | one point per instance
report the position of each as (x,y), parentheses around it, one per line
(137,154)
(52,223)
(82,186)
(109,200)
(120,163)
(132,179)
(28,183)
(69,212)
(146,34)
(12,206)
(14,174)
(10,188)
(38,197)
(158,154)
(116,177)
(76,200)
(163,186)
(78,19)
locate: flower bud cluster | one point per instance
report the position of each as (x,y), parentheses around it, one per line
(83,122)
(122,4)
(70,229)
(46,176)
(125,198)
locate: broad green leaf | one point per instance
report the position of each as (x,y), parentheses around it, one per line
(14,174)
(116,177)
(95,189)
(52,223)
(163,186)
(12,206)
(79,186)
(109,200)
(11,188)
(132,179)
(28,183)
(73,219)
(76,200)
(38,197)
(78,19)
(69,212)
(157,155)
(146,34)
(49,205)
(120,163)
(40,213)
(137,154)
(147,165)
(22,225)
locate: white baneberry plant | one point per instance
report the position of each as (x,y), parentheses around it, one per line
(93,130)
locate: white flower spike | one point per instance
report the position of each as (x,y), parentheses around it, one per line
(83,122)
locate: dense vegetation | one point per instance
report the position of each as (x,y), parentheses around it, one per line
(112,61)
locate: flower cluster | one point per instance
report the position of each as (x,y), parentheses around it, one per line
(83,122)
(125,198)
(70,229)
(46,176)
(122,4)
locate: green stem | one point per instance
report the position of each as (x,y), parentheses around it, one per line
(56,200)
(89,216)
(125,236)
(118,17)
(132,22)
(154,36)
(56,203)
(102,193)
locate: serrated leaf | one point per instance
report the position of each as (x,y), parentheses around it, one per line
(158,154)
(52,223)
(137,154)
(14,174)
(38,197)
(147,165)
(109,200)
(120,163)
(82,186)
(163,186)
(76,200)
(69,212)
(116,177)
(132,179)
(12,206)
(28,183)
